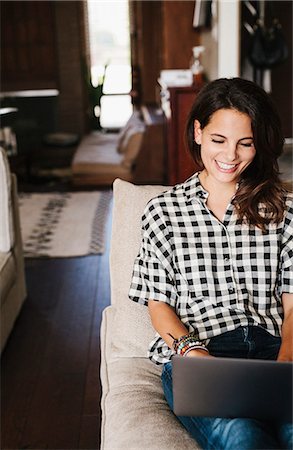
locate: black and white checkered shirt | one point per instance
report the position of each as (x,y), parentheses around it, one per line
(216,275)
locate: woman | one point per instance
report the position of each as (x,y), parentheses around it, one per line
(215,264)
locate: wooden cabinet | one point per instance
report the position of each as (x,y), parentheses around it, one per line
(176,103)
(150,166)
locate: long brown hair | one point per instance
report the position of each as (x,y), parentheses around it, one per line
(260,198)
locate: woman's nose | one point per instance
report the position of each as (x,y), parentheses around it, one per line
(231,153)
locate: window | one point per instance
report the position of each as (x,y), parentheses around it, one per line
(110,46)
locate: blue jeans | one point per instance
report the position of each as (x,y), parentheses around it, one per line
(236,434)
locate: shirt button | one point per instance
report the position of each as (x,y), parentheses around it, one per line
(226,258)
(230,290)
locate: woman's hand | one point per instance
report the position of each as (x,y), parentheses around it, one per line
(198,353)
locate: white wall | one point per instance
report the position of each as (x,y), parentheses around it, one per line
(228,38)
(222,43)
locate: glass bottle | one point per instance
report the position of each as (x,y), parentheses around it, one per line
(195,64)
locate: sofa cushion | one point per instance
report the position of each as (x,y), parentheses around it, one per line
(132,331)
(136,398)
(133,402)
(99,138)
(6,228)
(7,274)
(90,157)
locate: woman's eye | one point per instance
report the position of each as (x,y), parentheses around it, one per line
(250,144)
(217,142)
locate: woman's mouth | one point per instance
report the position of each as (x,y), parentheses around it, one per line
(227,168)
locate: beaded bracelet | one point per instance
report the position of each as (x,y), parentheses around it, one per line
(182,339)
(186,343)
(194,346)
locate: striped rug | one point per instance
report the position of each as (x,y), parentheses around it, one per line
(64,224)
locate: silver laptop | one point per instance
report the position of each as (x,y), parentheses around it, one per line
(228,387)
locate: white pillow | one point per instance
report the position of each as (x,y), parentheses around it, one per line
(6,213)
(132,147)
(133,123)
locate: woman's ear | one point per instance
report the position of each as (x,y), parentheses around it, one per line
(197,132)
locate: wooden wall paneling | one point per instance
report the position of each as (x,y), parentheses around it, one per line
(7,51)
(282,76)
(28,45)
(84,50)
(134,58)
(43,44)
(179,36)
(147,46)
(69,16)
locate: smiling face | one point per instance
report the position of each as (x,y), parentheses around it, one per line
(227,146)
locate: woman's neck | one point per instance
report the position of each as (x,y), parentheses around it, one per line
(217,188)
(220,195)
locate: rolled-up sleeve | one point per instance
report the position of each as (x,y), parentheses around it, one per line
(153,276)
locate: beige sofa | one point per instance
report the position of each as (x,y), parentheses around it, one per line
(12,279)
(135,414)
(102,157)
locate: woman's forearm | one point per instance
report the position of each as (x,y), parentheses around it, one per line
(167,324)
(165,320)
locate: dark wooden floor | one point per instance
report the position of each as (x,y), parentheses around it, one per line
(50,385)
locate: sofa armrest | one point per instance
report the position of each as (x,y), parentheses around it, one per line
(6,219)
(106,325)
(13,299)
(107,321)
(17,247)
